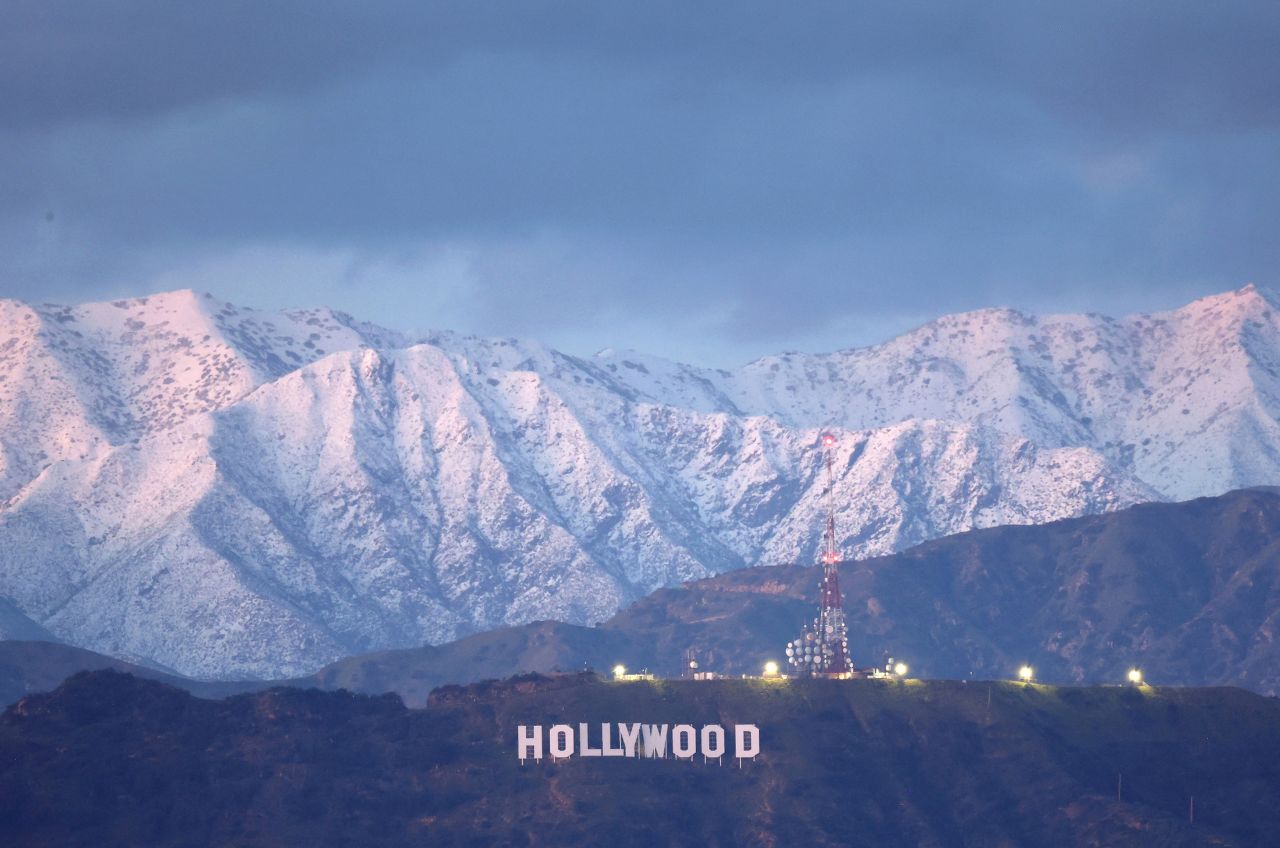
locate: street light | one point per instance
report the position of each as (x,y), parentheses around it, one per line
(771,669)
(618,671)
(1135,676)
(1026,673)
(900,669)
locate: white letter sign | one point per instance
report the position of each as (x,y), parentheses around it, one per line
(684,741)
(713,741)
(655,740)
(630,734)
(529,744)
(561,741)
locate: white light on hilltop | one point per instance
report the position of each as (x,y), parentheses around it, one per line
(618,671)
(1135,676)
(1026,672)
(900,669)
(771,669)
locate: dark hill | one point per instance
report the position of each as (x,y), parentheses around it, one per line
(108,759)
(27,667)
(542,646)
(1189,591)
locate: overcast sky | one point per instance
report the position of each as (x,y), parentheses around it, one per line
(710,182)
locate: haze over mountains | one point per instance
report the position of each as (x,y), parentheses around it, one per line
(227,492)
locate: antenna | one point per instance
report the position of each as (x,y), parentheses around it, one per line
(831,621)
(824,649)
(830,555)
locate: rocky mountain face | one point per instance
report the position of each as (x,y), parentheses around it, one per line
(108,759)
(226,492)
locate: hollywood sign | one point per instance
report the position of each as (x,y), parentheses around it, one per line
(684,741)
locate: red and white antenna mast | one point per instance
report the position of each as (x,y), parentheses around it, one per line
(823,650)
(832,628)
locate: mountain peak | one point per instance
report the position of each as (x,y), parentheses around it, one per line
(271,487)
(1249,299)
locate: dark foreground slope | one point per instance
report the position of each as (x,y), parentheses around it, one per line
(543,646)
(39,666)
(108,759)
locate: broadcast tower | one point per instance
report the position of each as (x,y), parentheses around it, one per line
(823,649)
(831,623)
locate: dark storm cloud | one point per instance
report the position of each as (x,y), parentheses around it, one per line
(746,172)
(1178,64)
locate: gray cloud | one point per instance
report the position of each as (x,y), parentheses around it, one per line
(1174,64)
(717,181)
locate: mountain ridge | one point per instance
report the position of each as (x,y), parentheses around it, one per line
(227,492)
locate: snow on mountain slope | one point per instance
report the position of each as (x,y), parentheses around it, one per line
(74,379)
(229,492)
(1187,400)
(372,499)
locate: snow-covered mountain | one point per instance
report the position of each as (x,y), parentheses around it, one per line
(230,492)
(1187,400)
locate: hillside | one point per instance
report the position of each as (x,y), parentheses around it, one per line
(108,759)
(1187,591)
(36,666)
(15,625)
(233,493)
